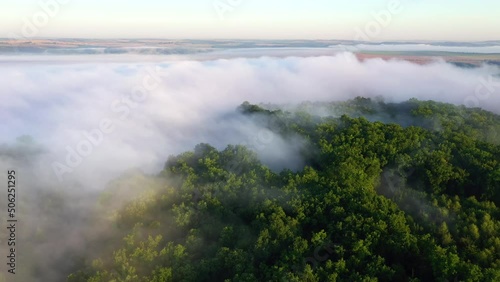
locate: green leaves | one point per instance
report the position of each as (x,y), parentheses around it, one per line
(413,198)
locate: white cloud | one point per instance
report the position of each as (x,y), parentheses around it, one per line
(57,102)
(195,101)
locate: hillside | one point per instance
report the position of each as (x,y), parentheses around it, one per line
(390,192)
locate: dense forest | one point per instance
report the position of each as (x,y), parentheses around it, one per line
(389,192)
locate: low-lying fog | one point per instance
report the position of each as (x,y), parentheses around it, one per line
(121,115)
(73,123)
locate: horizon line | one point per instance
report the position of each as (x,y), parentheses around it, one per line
(244,39)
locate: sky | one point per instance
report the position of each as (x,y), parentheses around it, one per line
(454,20)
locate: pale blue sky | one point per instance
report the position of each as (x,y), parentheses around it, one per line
(460,20)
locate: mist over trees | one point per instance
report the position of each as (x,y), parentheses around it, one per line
(390,192)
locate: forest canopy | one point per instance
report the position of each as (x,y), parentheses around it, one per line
(389,192)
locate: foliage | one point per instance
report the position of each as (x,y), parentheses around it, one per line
(391,192)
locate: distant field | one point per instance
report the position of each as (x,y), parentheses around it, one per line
(462,59)
(245,48)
